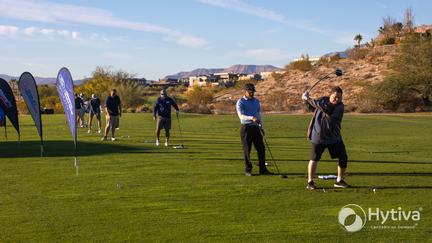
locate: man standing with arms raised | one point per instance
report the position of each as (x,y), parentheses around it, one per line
(162,115)
(251,131)
(112,115)
(325,132)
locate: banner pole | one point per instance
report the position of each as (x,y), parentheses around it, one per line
(76,154)
(76,165)
(42,149)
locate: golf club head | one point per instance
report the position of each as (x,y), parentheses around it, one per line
(338,72)
(178,146)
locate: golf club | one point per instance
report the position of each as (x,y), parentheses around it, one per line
(181,146)
(338,72)
(271,154)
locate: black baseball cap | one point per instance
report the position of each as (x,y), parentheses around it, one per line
(249,87)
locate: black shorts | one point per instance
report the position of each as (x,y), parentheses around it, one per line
(336,150)
(97,114)
(163,123)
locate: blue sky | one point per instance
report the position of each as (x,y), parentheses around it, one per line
(155,38)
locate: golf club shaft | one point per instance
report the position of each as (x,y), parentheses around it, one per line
(268,148)
(319,80)
(271,155)
(181,134)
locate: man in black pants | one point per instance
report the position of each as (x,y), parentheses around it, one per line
(325,132)
(251,131)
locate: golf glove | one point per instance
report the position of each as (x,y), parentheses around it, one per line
(305,96)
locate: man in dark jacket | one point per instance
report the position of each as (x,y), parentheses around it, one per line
(112,114)
(162,115)
(79,109)
(325,132)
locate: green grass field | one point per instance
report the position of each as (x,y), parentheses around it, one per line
(130,190)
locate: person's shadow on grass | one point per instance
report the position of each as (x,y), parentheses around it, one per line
(62,148)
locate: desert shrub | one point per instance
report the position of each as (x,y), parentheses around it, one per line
(198,98)
(366,101)
(278,101)
(131,93)
(241,83)
(49,98)
(304,64)
(409,86)
(357,53)
(52,102)
(277,76)
(388,40)
(145,108)
(393,94)
(327,61)
(130,110)
(22,107)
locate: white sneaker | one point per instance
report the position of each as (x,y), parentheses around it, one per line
(157,142)
(166,144)
(89,131)
(99,131)
(113,139)
(103,138)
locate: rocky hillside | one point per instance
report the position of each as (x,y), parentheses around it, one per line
(282,94)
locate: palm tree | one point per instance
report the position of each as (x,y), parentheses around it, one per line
(358,38)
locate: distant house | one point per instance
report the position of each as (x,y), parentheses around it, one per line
(140,81)
(227,77)
(340,55)
(169,81)
(265,75)
(184,81)
(313,60)
(197,81)
(423,29)
(217,79)
(253,76)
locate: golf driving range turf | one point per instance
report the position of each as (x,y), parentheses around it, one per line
(131,190)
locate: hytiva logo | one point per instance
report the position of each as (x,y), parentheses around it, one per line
(352,211)
(353,218)
(393,215)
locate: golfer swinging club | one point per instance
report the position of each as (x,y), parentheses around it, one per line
(325,132)
(248,110)
(95,110)
(162,115)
